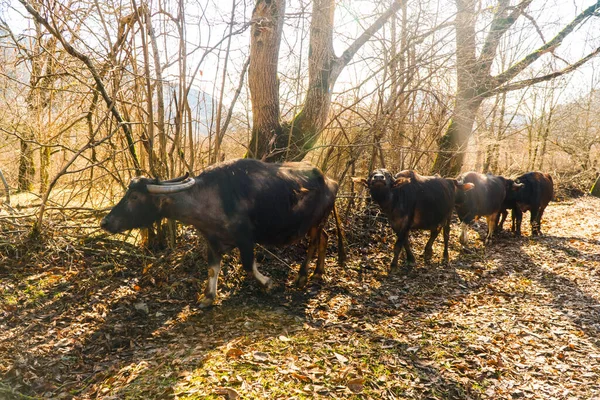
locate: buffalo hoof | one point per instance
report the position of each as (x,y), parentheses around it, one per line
(268,286)
(317,276)
(206,302)
(394,270)
(446,261)
(427,257)
(407,269)
(300,281)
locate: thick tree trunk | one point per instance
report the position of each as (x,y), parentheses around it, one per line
(453,144)
(35,104)
(265,39)
(304,129)
(271,140)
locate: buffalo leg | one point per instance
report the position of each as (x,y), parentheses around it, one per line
(464,233)
(251,266)
(535,221)
(321,248)
(214,267)
(401,239)
(313,242)
(446,258)
(513,217)
(428,252)
(491,222)
(500,224)
(518,221)
(539,219)
(410,257)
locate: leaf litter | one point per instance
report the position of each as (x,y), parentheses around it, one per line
(519,318)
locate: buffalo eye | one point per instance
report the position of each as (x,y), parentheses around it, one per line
(134,197)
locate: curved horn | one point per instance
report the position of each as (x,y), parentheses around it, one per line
(171,187)
(175,180)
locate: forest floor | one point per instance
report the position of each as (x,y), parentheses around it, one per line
(100,318)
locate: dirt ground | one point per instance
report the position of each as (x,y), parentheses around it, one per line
(96,317)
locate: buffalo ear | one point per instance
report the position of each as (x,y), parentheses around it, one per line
(361,180)
(468,186)
(465,187)
(401,181)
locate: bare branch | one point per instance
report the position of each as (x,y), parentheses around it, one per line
(546,48)
(500,24)
(343,60)
(99,84)
(532,81)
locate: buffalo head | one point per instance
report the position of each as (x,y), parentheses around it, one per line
(143,203)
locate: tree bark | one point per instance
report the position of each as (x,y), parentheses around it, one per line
(452,145)
(267,26)
(271,140)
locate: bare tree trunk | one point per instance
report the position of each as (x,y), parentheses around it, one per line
(489,148)
(271,140)
(544,138)
(34,107)
(265,36)
(452,145)
(44,168)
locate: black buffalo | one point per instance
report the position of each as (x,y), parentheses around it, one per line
(238,204)
(485,200)
(412,201)
(532,192)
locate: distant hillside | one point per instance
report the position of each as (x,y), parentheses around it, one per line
(202,104)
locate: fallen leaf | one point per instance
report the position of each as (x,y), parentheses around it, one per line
(234,353)
(340,358)
(301,378)
(229,393)
(356,385)
(260,356)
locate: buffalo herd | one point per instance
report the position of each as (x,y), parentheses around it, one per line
(241,203)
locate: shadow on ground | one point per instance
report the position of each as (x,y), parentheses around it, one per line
(103,320)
